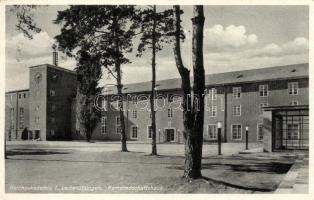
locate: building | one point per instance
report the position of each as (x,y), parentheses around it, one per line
(236,99)
(44,109)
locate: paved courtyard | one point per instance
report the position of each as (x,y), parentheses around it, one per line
(80,167)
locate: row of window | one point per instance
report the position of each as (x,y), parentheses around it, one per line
(236,130)
(170,113)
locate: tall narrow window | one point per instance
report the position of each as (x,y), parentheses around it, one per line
(12,118)
(134,132)
(263,90)
(149,132)
(134,114)
(103,125)
(52,93)
(293,88)
(236,131)
(170,98)
(260,132)
(236,110)
(237,92)
(21,121)
(118,125)
(170,113)
(213,110)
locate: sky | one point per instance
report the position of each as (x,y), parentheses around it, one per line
(235,38)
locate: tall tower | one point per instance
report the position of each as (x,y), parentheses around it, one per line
(54,55)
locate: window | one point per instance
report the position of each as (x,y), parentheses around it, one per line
(103,125)
(134,132)
(21,121)
(236,131)
(293,88)
(134,114)
(294,103)
(236,111)
(52,93)
(134,100)
(170,113)
(20,95)
(37,120)
(118,125)
(53,120)
(263,90)
(52,132)
(213,110)
(53,108)
(24,95)
(212,94)
(170,98)
(12,118)
(149,132)
(262,106)
(237,92)
(212,132)
(259,132)
(293,131)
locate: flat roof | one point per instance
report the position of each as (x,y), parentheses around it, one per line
(15,91)
(228,78)
(55,67)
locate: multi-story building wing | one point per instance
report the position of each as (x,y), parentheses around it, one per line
(237,99)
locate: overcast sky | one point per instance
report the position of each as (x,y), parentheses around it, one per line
(236,38)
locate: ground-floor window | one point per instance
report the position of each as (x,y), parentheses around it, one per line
(236,131)
(134,132)
(212,131)
(293,131)
(149,132)
(103,125)
(118,125)
(259,132)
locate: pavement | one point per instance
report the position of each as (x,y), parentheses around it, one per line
(296,180)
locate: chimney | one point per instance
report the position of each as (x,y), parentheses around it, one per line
(54,55)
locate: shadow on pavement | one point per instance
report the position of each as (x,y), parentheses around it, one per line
(20,151)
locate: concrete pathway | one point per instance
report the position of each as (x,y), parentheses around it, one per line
(296,180)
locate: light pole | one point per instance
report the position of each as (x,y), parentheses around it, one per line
(246,137)
(219,137)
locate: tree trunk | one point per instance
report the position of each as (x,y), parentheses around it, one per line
(193,111)
(152,96)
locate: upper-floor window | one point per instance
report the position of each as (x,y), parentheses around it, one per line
(237,92)
(134,100)
(213,110)
(294,103)
(170,98)
(53,108)
(134,114)
(293,88)
(263,90)
(170,113)
(236,111)
(103,125)
(52,93)
(20,96)
(262,106)
(212,93)
(24,95)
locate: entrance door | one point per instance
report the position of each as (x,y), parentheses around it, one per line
(169,135)
(37,134)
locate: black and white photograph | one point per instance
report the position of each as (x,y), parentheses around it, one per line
(156,98)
